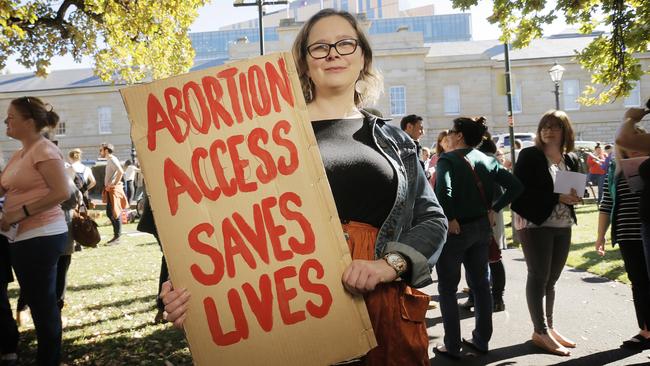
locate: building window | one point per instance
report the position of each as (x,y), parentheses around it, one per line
(452,99)
(60,129)
(104,115)
(571,92)
(344,5)
(634,99)
(397,100)
(516,100)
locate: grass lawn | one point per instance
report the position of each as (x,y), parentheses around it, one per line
(110,307)
(110,300)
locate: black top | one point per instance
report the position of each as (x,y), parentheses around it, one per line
(537,201)
(361,178)
(644,206)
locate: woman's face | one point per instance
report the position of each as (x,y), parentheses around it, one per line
(551,133)
(454,139)
(17,124)
(445,143)
(333,74)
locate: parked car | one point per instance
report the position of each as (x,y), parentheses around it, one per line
(503,140)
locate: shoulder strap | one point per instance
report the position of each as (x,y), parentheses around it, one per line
(477,180)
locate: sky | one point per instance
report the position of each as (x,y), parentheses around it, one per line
(221,12)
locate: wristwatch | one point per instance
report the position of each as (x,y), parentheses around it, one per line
(397,262)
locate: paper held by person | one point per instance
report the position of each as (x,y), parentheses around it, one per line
(566,180)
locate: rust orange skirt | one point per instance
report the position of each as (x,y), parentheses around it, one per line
(396,310)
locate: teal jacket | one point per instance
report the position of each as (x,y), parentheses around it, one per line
(457,190)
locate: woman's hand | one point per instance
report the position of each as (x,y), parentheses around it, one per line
(454,227)
(363,276)
(10,218)
(176,302)
(600,246)
(635,114)
(571,198)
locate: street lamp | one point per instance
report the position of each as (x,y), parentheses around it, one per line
(556,76)
(260,14)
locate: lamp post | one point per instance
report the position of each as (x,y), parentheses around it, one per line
(556,76)
(260,14)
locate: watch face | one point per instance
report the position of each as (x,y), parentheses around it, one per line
(396,261)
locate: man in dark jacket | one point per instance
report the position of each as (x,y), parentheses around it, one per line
(412,125)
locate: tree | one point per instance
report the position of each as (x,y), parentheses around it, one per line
(610,57)
(131,38)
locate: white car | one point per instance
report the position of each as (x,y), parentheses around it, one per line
(503,140)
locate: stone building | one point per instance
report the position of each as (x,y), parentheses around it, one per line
(438,81)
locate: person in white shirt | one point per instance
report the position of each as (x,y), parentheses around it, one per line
(84,172)
(113,189)
(129,178)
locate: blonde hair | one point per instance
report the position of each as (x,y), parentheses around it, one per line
(622,153)
(370,80)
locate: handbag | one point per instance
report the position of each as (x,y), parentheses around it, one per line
(84,230)
(494,252)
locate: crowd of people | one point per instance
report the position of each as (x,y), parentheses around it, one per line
(404,209)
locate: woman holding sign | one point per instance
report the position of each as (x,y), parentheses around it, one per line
(34,184)
(544,221)
(389,213)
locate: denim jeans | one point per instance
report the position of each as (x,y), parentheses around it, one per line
(469,248)
(35,263)
(116,222)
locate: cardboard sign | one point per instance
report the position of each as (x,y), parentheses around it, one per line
(246,216)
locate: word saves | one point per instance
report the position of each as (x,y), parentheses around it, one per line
(264,265)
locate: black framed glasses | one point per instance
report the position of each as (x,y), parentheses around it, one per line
(343,47)
(551,127)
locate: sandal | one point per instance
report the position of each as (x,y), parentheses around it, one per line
(638,342)
(442,350)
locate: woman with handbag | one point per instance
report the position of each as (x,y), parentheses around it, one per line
(465,187)
(368,162)
(497,269)
(34,184)
(544,221)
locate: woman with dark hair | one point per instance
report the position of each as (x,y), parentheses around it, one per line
(544,221)
(392,219)
(465,187)
(34,184)
(497,269)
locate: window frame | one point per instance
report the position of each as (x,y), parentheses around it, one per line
(455,87)
(395,112)
(569,106)
(101,109)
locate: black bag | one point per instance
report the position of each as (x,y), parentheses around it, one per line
(72,202)
(84,230)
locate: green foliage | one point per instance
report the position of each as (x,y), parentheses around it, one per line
(609,57)
(128,39)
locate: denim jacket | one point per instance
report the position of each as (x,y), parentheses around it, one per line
(416,226)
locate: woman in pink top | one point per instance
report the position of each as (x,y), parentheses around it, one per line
(34,184)
(442,145)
